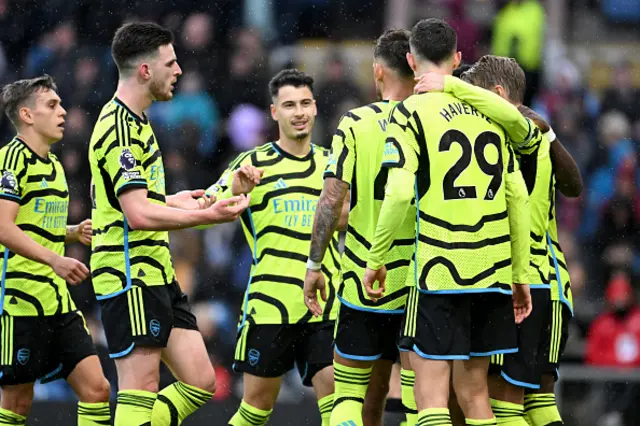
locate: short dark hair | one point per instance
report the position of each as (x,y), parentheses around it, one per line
(289,77)
(434,40)
(392,47)
(136,39)
(461,70)
(16,94)
(491,71)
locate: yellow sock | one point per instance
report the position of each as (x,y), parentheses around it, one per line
(480,422)
(9,418)
(434,417)
(93,414)
(407,381)
(540,409)
(134,408)
(250,416)
(508,413)
(325,405)
(350,388)
(176,402)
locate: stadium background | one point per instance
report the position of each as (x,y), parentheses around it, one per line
(228,49)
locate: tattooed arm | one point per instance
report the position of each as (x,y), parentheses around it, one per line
(328,215)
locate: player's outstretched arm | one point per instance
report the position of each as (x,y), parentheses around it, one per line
(519,128)
(80,233)
(16,240)
(569,180)
(141,214)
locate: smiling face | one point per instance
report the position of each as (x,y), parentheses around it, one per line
(164,72)
(295,111)
(45,113)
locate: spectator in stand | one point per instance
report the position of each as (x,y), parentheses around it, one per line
(518,32)
(336,87)
(198,50)
(622,96)
(617,149)
(614,341)
(467,30)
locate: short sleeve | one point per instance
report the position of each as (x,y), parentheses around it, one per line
(531,142)
(124,166)
(343,156)
(401,148)
(12,174)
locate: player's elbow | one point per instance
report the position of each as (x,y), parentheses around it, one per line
(572,190)
(136,220)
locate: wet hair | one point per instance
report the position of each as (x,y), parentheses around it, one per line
(16,94)
(289,77)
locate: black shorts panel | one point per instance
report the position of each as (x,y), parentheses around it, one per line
(367,336)
(271,350)
(555,339)
(145,316)
(44,348)
(459,326)
(523,368)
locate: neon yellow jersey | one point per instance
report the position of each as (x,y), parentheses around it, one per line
(356,158)
(124,154)
(39,186)
(559,278)
(459,157)
(277,226)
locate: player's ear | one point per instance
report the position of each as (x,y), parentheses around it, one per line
(274,113)
(457,60)
(377,71)
(145,70)
(412,61)
(25,115)
(501,92)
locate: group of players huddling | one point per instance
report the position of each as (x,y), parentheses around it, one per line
(451,262)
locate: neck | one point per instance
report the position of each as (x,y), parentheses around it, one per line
(297,147)
(37,142)
(397,90)
(134,96)
(426,66)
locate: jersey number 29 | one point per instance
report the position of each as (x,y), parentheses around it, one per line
(453,192)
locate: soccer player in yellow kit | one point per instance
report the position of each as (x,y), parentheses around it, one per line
(367,332)
(44,335)
(471,227)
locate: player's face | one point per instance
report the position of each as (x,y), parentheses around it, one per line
(48,115)
(164,74)
(295,111)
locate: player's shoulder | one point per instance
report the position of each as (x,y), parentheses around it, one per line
(13,155)
(255,156)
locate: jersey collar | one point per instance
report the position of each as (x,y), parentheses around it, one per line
(285,154)
(143,119)
(35,154)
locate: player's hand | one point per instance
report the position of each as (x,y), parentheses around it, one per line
(522,304)
(533,116)
(314,282)
(227,210)
(245,179)
(370,277)
(69,269)
(190,200)
(83,232)
(429,82)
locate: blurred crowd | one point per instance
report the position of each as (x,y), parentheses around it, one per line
(229,49)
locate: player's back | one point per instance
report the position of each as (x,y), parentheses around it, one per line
(460,156)
(39,186)
(357,152)
(124,154)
